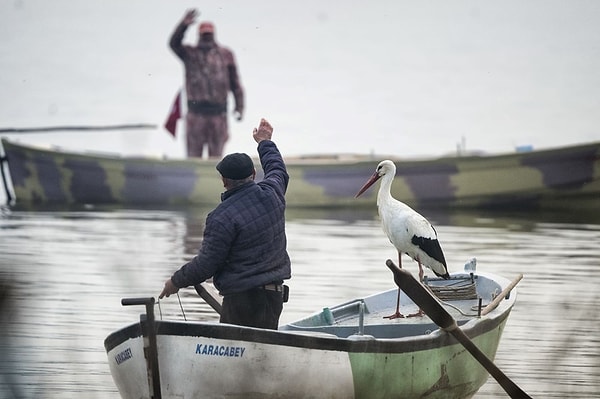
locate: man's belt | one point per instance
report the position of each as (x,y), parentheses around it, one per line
(206,107)
(273,287)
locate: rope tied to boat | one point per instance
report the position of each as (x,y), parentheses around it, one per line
(180,306)
(460,290)
(457,290)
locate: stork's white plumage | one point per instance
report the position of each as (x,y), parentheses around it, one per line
(407,230)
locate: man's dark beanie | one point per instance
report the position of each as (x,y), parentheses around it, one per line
(236,166)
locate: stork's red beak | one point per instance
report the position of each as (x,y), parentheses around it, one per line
(368,184)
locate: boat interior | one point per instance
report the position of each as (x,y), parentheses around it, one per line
(463,296)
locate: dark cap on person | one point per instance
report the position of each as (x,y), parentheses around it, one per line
(236,166)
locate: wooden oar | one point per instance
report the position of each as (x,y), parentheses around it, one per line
(209,295)
(492,305)
(436,312)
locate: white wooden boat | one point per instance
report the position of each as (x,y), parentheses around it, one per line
(344,351)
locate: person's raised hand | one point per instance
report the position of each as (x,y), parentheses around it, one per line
(263,132)
(190,17)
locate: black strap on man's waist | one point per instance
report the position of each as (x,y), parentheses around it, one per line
(206,107)
(277,287)
(272,287)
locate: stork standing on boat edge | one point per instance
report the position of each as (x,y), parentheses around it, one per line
(406,229)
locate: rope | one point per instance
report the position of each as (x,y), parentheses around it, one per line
(459,310)
(180,307)
(461,291)
(179,299)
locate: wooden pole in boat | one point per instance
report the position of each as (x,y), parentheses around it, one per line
(210,296)
(492,305)
(150,346)
(436,312)
(46,129)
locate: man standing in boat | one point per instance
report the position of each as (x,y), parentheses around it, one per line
(210,74)
(244,247)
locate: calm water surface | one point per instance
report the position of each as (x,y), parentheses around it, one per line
(63,274)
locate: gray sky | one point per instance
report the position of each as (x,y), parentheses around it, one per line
(390,77)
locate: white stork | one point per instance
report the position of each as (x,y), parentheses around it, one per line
(407,230)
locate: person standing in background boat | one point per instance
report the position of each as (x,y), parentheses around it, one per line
(210,74)
(244,246)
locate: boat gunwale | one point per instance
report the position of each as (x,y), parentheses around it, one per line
(340,160)
(300,339)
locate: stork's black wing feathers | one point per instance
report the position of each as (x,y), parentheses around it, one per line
(431,247)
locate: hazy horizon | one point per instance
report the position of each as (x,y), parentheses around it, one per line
(384,77)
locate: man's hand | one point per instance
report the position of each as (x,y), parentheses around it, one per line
(169,289)
(263,132)
(237,115)
(190,17)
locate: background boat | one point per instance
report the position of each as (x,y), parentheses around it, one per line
(555,178)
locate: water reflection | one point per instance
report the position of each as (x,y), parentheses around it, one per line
(65,271)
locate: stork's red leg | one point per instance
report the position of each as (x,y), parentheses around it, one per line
(420,311)
(397,314)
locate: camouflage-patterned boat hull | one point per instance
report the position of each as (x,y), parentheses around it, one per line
(550,178)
